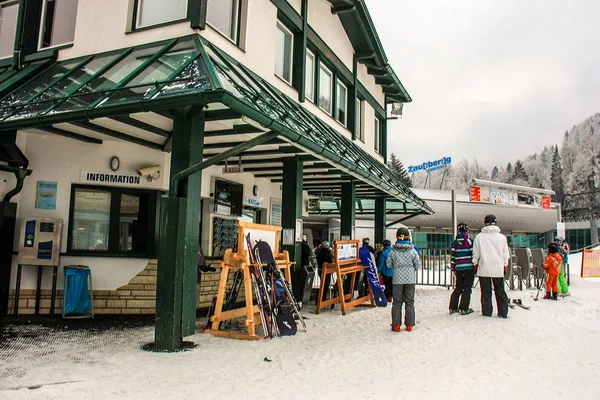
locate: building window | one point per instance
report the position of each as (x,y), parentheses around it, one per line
(325,88)
(112,220)
(224,16)
(358,116)
(283,53)
(8,27)
(377,136)
(58,22)
(341,99)
(153,12)
(309,90)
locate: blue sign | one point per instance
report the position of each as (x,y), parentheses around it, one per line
(46,195)
(429,166)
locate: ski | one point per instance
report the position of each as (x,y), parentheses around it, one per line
(519,303)
(285,306)
(262,298)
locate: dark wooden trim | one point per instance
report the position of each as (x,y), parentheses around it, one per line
(118,135)
(142,125)
(71,135)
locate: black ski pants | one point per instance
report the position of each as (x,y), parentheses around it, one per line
(462,291)
(389,285)
(486,296)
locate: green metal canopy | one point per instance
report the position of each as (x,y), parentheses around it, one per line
(178,73)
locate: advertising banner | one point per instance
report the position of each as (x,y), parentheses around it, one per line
(546,203)
(499,196)
(475,193)
(46,195)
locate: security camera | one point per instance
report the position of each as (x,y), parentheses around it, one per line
(150,173)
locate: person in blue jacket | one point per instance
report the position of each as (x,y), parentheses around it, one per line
(387,273)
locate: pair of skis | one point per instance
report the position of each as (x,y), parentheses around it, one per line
(277,305)
(517,303)
(230,297)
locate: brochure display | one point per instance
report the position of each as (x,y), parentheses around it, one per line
(346,265)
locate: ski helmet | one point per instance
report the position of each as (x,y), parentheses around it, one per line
(387,242)
(463,227)
(559,239)
(402,234)
(553,247)
(490,219)
(366,241)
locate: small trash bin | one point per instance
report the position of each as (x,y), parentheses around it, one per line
(77,293)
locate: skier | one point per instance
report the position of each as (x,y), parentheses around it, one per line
(462,266)
(490,260)
(324,256)
(552,269)
(365,253)
(404,260)
(563,286)
(387,273)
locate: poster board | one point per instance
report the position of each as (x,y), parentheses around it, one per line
(345,252)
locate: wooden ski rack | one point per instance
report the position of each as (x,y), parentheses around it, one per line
(344,263)
(241,259)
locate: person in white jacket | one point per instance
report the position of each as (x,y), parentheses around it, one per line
(490,259)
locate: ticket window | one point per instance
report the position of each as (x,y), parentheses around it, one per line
(254,214)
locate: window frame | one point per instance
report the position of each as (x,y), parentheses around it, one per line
(237,23)
(5,5)
(312,82)
(336,116)
(113,228)
(287,31)
(136,26)
(359,119)
(377,135)
(40,44)
(322,67)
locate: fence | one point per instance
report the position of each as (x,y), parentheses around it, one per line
(435,268)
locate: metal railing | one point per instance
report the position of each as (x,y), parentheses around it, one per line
(435,268)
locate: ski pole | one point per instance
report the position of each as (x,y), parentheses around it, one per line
(539,288)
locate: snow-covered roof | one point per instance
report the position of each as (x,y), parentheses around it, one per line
(515,187)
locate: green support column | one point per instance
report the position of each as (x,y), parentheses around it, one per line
(179,237)
(347,209)
(291,208)
(380,221)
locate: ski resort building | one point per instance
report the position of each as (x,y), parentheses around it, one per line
(134,126)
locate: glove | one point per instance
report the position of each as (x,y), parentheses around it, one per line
(505,268)
(475,267)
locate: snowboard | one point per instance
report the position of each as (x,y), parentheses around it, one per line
(284,311)
(371,273)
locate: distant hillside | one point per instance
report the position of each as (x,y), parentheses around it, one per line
(571,169)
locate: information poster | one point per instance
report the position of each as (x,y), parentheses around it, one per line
(475,193)
(346,251)
(275,212)
(46,195)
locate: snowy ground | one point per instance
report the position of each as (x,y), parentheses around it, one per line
(551,351)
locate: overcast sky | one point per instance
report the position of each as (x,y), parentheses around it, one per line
(491,79)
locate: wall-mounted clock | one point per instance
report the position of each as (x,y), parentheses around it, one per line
(114,163)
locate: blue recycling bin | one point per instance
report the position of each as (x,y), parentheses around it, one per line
(77,294)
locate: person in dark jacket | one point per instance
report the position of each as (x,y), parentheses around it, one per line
(325,255)
(462,266)
(387,273)
(305,252)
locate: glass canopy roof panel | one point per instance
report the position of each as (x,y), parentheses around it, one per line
(194,78)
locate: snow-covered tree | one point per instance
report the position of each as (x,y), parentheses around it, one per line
(558,184)
(399,170)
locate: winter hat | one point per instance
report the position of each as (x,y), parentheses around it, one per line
(402,234)
(387,242)
(365,241)
(325,243)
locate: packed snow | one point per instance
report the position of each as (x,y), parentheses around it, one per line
(550,351)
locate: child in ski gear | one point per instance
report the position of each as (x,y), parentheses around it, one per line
(490,260)
(367,257)
(386,272)
(552,269)
(462,266)
(563,286)
(404,260)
